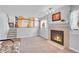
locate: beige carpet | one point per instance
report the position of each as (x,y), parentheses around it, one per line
(38,45)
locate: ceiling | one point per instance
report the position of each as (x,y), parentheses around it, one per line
(27,10)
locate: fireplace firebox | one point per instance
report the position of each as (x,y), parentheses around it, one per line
(57,36)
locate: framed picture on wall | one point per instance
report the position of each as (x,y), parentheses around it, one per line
(56,16)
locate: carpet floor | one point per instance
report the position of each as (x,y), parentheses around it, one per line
(39,45)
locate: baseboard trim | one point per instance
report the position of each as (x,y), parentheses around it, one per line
(76,51)
(42,37)
(28,36)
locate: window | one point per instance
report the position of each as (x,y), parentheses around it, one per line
(74,20)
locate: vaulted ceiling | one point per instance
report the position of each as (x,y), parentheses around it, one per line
(26,10)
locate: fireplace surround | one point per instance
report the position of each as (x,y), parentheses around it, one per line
(60,27)
(57,36)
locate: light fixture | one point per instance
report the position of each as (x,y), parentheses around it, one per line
(50,10)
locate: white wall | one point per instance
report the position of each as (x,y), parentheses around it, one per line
(26,32)
(65,12)
(3,25)
(44,31)
(74,34)
(74,40)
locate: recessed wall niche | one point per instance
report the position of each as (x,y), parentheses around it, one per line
(43,24)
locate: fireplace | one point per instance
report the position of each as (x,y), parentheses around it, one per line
(57,36)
